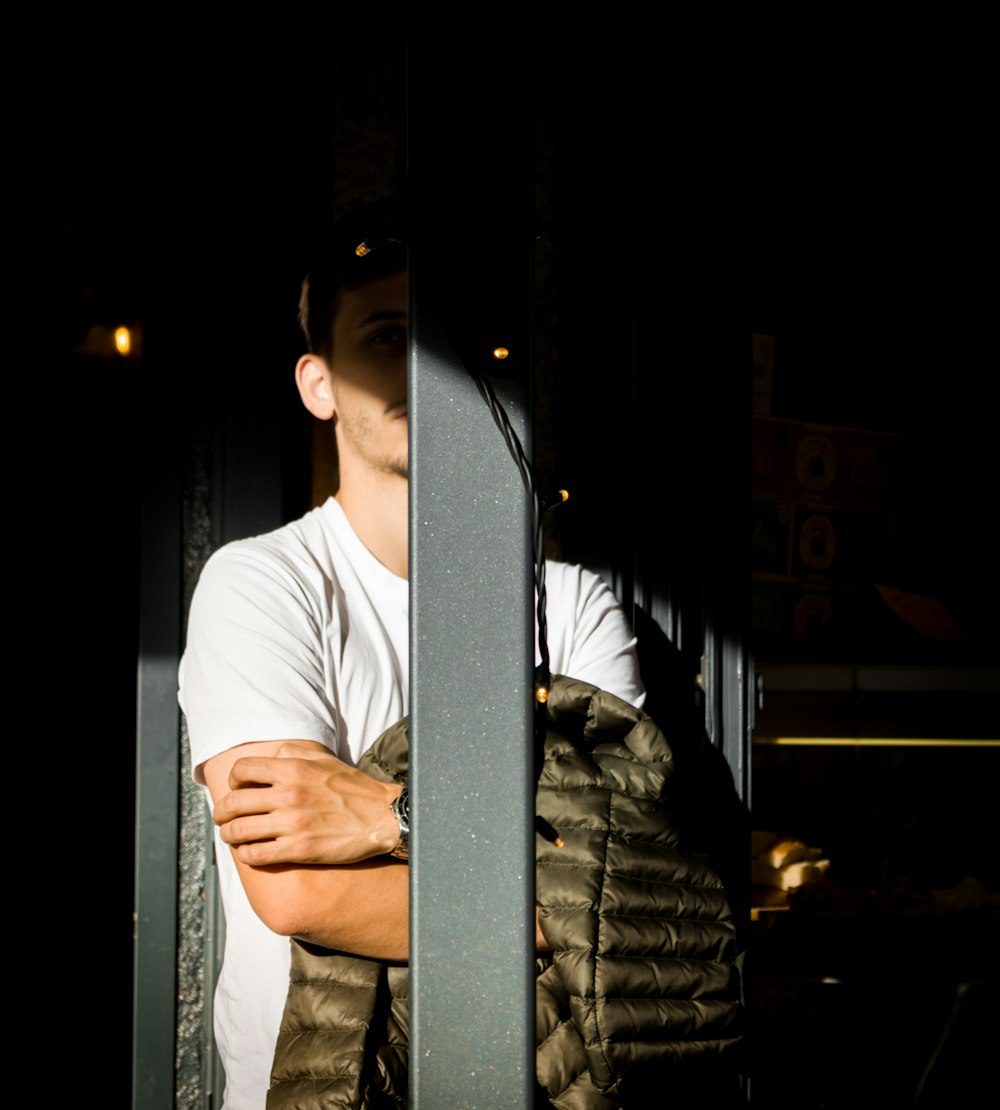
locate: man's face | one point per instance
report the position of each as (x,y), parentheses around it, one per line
(368,375)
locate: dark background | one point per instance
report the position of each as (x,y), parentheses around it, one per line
(689,188)
(681,202)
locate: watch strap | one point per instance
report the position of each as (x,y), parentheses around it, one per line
(400,807)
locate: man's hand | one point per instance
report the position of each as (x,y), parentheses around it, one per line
(304,806)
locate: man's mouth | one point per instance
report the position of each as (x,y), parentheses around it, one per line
(397,409)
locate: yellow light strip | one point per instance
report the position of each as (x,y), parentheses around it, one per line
(872,742)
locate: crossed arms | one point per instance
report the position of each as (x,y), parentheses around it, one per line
(310,834)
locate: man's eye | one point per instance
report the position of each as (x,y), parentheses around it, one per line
(388,336)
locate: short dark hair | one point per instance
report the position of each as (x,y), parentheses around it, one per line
(343,263)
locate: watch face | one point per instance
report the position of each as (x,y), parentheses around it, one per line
(401,808)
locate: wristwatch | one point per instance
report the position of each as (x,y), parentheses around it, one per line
(400,807)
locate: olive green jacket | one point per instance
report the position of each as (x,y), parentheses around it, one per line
(640,998)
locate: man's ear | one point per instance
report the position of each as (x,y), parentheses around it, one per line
(312,376)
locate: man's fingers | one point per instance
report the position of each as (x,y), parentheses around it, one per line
(304,808)
(264,812)
(258,854)
(243,803)
(291,826)
(261,853)
(264,826)
(283,767)
(255,769)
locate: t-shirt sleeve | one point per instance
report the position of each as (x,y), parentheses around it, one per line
(253,666)
(589,635)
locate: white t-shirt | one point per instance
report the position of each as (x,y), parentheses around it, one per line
(304,634)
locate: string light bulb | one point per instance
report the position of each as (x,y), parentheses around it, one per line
(123,340)
(500,352)
(550,500)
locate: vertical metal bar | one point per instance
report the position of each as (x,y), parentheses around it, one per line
(213,1077)
(472,658)
(728,682)
(472,870)
(157,761)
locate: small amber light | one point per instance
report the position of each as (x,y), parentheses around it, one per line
(500,352)
(542,694)
(123,340)
(362,249)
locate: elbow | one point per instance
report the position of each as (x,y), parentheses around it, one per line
(292,908)
(359,908)
(283,920)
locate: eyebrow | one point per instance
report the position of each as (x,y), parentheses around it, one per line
(383,314)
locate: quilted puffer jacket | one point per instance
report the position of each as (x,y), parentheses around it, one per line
(638,1004)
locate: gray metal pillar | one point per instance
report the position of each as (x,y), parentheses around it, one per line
(157,803)
(472,872)
(472,1039)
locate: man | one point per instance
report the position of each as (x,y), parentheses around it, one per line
(297,660)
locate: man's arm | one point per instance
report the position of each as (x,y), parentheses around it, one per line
(286,818)
(589,635)
(288,811)
(295,802)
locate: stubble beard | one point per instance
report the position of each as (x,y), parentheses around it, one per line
(359,431)
(398,468)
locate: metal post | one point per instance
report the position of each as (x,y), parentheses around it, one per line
(472,870)
(472,659)
(157,728)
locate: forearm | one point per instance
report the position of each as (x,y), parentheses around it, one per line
(362,908)
(308,836)
(294,802)
(287,821)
